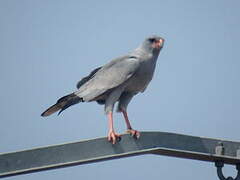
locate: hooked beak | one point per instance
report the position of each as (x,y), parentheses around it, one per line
(158,44)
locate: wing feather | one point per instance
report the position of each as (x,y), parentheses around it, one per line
(111,75)
(87,78)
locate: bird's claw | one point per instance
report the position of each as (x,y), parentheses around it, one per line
(113,137)
(134,133)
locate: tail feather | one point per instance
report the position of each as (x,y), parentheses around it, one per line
(62,104)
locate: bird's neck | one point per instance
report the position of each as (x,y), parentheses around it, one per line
(142,52)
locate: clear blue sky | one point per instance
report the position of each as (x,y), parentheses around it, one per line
(47,46)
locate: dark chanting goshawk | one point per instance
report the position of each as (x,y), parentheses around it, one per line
(117,81)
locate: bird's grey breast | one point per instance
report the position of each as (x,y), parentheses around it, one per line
(139,81)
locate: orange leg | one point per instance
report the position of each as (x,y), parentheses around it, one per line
(112,136)
(133,132)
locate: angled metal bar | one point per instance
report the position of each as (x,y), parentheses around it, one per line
(76,153)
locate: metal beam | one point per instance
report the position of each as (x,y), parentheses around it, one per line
(88,151)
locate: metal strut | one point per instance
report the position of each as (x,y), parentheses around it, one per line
(220,165)
(99,149)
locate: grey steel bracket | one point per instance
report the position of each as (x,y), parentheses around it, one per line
(220,165)
(220,151)
(99,149)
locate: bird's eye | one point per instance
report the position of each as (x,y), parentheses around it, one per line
(151,40)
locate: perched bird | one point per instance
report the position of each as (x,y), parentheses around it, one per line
(117,81)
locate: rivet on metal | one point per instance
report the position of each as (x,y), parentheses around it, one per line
(219,150)
(238,153)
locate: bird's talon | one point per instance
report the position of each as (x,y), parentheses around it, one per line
(134,133)
(119,138)
(113,137)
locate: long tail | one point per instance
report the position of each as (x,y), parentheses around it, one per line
(62,104)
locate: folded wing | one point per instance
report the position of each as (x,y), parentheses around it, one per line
(112,75)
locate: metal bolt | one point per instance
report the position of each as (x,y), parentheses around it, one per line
(219,150)
(238,153)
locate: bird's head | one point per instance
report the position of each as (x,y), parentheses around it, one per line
(153,43)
